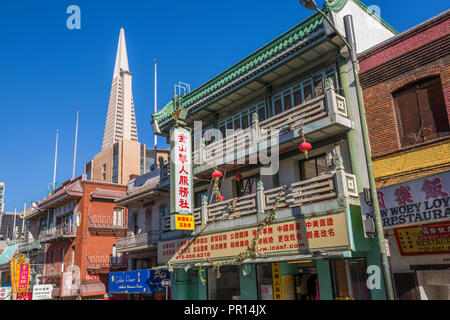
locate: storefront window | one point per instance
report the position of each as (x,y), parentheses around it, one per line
(264,278)
(227,286)
(349,279)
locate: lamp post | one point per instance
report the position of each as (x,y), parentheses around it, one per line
(311,5)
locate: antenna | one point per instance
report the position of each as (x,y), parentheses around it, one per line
(75,150)
(183,88)
(23,218)
(156,110)
(56,156)
(14,224)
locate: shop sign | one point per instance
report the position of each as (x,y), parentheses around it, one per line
(276,281)
(413,202)
(433,238)
(91,277)
(288,285)
(5,293)
(181,171)
(24,296)
(138,281)
(42,292)
(182,222)
(24,277)
(328,231)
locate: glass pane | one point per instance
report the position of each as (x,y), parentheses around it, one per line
(262,113)
(340,281)
(308,169)
(264,278)
(278,107)
(297,97)
(287,102)
(227,287)
(307,91)
(321,165)
(358,278)
(237,123)
(318,87)
(245,122)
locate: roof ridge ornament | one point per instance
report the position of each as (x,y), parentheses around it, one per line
(335,5)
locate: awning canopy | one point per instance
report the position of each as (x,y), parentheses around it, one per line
(8,253)
(92,289)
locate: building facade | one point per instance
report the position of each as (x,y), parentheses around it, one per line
(406,86)
(72,238)
(295,89)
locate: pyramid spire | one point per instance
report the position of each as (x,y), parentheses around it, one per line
(120,120)
(121,56)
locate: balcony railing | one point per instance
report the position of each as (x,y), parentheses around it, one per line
(107,222)
(60,231)
(321,188)
(328,112)
(52,270)
(146,239)
(106,261)
(34,245)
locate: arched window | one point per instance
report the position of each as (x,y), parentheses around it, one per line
(421,112)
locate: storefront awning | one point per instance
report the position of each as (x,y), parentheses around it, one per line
(92,289)
(8,254)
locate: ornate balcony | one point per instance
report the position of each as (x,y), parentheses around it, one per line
(102,262)
(140,241)
(31,246)
(107,223)
(63,231)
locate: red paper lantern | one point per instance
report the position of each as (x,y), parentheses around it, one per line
(305,146)
(238,176)
(220,198)
(217,174)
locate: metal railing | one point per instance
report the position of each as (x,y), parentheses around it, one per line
(106,261)
(60,231)
(148,239)
(107,222)
(31,245)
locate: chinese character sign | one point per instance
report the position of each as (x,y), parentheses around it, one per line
(181,170)
(24,276)
(184,222)
(413,202)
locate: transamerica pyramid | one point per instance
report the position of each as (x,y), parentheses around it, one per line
(120,119)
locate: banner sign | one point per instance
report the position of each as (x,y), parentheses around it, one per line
(138,281)
(414,202)
(182,222)
(276,281)
(24,296)
(24,277)
(181,171)
(42,292)
(328,231)
(5,293)
(433,238)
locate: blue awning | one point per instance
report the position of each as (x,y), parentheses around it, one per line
(8,254)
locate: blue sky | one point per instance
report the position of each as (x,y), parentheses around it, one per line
(47,70)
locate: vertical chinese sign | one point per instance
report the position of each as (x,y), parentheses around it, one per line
(181,178)
(276,281)
(24,277)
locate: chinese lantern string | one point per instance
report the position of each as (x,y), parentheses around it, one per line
(250,251)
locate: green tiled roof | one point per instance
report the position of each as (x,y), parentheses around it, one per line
(295,34)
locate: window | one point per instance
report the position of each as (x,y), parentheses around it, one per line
(198,197)
(243,119)
(118,217)
(421,112)
(349,279)
(247,185)
(313,167)
(227,287)
(136,223)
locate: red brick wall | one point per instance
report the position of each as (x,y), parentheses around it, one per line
(416,55)
(405,43)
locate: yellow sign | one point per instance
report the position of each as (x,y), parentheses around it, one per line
(276,281)
(327,231)
(433,238)
(19,274)
(288,287)
(183,222)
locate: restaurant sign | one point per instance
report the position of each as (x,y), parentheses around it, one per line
(413,202)
(433,238)
(138,281)
(309,234)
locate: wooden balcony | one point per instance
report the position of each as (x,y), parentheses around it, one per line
(321,118)
(335,185)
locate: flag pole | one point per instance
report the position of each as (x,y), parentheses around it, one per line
(75,148)
(155,111)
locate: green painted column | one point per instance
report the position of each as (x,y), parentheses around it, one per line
(248,283)
(185,286)
(324,277)
(202,287)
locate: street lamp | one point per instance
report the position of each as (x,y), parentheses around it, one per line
(311,5)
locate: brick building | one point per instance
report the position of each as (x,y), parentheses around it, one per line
(73,235)
(406,87)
